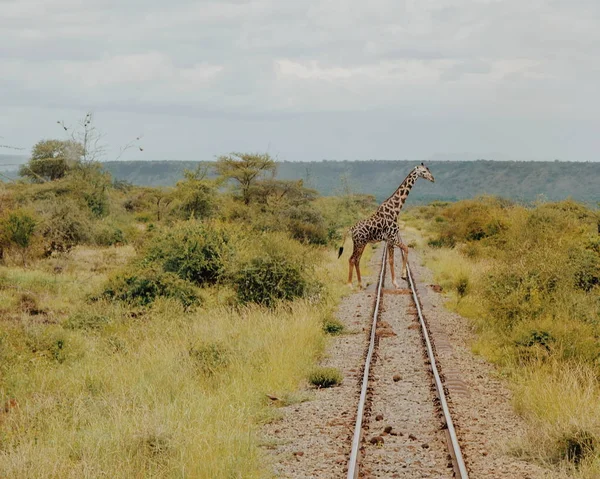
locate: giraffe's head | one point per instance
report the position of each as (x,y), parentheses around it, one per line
(424,172)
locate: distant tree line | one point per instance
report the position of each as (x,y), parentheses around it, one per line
(520,181)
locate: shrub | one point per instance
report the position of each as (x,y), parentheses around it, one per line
(325,377)
(274,268)
(333,326)
(306,224)
(191,250)
(17,230)
(97,202)
(196,197)
(65,226)
(586,265)
(141,287)
(444,240)
(266,281)
(108,235)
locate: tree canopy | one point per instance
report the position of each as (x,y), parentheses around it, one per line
(246,169)
(51,160)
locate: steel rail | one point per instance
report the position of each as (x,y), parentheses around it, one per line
(459,463)
(353,463)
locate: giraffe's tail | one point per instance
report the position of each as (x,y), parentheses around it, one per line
(341,250)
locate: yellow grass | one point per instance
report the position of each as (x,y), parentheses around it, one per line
(156,393)
(520,276)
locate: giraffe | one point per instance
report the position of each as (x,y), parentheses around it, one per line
(383,226)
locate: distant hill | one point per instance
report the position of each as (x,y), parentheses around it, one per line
(11,162)
(521,181)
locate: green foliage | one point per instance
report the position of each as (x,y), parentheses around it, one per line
(275,269)
(267,280)
(246,169)
(533,294)
(97,202)
(306,224)
(51,160)
(141,287)
(65,225)
(586,266)
(333,326)
(192,250)
(18,228)
(325,377)
(196,196)
(107,234)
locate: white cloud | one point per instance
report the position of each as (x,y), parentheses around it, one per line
(488,58)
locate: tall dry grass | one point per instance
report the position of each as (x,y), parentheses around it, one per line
(529,280)
(107,389)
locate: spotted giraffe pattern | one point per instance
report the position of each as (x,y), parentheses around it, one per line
(383,226)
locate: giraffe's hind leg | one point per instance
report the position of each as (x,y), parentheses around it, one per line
(354,262)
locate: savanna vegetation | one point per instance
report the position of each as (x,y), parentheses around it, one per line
(455,180)
(143,330)
(529,279)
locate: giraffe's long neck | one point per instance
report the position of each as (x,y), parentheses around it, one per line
(394,203)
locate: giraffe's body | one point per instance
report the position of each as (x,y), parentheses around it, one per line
(383,226)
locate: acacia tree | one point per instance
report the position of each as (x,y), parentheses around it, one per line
(51,160)
(246,169)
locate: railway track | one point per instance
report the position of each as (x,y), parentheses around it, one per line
(403,423)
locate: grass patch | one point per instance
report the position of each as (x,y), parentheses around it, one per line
(325,377)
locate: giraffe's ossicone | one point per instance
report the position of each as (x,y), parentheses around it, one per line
(383,226)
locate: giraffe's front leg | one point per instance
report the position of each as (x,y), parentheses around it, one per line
(390,248)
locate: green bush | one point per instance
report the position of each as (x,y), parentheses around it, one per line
(141,287)
(333,326)
(325,377)
(108,235)
(192,250)
(443,241)
(306,224)
(266,281)
(65,225)
(586,266)
(274,268)
(17,231)
(97,202)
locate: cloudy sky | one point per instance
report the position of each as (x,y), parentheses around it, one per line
(307,79)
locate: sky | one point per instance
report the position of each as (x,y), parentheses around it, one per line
(307,79)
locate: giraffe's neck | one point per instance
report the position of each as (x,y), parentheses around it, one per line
(394,203)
